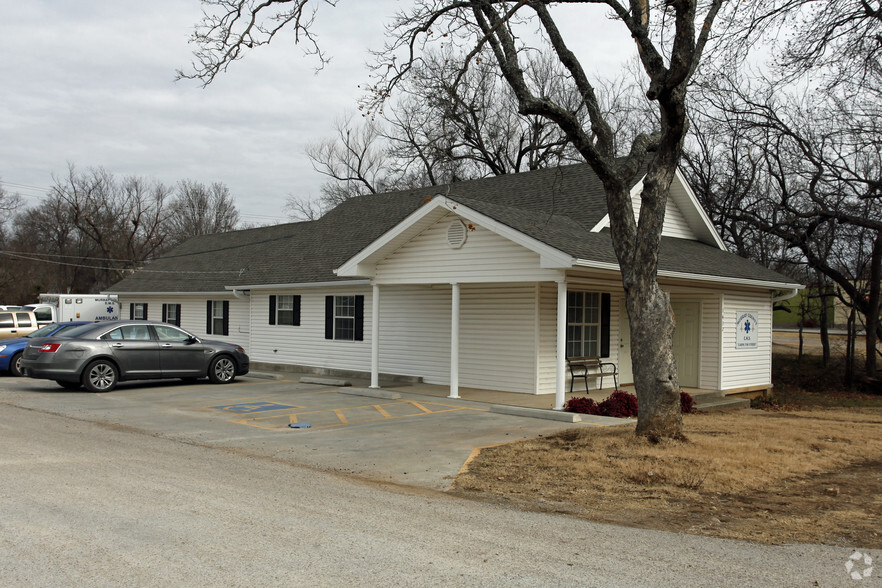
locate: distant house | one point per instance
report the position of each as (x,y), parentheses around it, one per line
(487,284)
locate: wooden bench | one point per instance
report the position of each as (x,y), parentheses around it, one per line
(591,367)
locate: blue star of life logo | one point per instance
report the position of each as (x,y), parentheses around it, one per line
(110,310)
(747,326)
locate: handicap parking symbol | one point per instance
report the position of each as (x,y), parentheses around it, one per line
(252,407)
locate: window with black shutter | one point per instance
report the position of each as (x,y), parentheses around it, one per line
(344,318)
(284,310)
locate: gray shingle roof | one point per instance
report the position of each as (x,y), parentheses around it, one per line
(556,206)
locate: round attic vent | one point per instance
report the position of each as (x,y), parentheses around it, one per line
(456,234)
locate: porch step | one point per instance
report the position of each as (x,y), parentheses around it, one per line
(709,402)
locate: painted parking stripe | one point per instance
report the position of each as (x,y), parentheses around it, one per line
(339,417)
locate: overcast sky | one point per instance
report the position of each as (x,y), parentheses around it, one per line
(91,83)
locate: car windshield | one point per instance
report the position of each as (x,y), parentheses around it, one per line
(43,331)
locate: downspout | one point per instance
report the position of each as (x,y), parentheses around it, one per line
(785,296)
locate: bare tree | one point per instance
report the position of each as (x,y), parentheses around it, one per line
(670,38)
(354,159)
(124,219)
(197,209)
(9,203)
(806,172)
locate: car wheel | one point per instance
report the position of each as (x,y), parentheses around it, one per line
(222,370)
(68,385)
(100,376)
(15,365)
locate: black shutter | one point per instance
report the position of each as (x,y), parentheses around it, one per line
(359,318)
(131,311)
(177,315)
(164,312)
(604,325)
(297,311)
(272,310)
(329,317)
(208,317)
(146,316)
(226,317)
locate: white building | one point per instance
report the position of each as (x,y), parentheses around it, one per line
(486,284)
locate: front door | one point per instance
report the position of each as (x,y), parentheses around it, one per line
(687,341)
(626,375)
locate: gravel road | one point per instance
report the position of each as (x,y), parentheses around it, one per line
(96,504)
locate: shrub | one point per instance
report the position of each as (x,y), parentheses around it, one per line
(581,405)
(687,403)
(620,404)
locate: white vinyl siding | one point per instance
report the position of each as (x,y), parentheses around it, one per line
(415,332)
(498,334)
(746,367)
(306,345)
(710,343)
(193,314)
(485,257)
(675,225)
(546,360)
(497,328)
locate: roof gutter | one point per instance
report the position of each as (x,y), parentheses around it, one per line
(785,296)
(696,277)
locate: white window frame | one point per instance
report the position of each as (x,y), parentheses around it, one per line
(578,317)
(217,317)
(339,306)
(285,303)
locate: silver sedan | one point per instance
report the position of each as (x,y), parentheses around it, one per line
(97,356)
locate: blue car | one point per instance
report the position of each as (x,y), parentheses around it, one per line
(10,349)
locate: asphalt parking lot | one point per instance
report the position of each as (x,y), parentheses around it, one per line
(414,439)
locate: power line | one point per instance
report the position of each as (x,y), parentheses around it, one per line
(96,267)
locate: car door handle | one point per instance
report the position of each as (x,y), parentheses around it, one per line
(117,345)
(166,345)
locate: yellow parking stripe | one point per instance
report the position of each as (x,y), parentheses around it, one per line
(280,421)
(420,406)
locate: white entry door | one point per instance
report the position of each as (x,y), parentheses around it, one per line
(626,375)
(687,341)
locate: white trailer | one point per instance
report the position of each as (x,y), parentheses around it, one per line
(64,308)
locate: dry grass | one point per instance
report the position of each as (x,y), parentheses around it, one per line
(808,476)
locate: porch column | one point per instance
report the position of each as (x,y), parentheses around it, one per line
(560,393)
(375,337)
(454,342)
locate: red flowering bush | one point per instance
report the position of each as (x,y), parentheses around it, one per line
(687,403)
(620,404)
(581,405)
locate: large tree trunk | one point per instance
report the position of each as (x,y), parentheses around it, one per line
(649,308)
(652,358)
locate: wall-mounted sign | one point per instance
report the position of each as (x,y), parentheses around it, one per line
(746,332)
